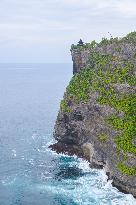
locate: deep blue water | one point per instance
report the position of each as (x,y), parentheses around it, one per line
(30,173)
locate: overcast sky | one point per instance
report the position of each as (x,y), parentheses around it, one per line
(43,30)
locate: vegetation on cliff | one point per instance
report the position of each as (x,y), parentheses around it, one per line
(130,38)
(113,78)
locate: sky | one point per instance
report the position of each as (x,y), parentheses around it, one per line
(42,31)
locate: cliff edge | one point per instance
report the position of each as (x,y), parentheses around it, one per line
(97,114)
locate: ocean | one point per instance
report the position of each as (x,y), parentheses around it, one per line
(30,173)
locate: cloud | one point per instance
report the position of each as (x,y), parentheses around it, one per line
(58,23)
(126,7)
(85,3)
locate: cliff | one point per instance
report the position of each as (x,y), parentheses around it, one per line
(97,115)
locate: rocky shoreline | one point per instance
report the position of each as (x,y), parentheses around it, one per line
(92,113)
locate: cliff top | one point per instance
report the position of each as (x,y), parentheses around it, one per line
(121,48)
(129,38)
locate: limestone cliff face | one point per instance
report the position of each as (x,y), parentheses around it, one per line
(80,59)
(82,56)
(96,118)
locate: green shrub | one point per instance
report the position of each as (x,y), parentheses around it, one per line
(131,36)
(80,85)
(131,171)
(64,106)
(103,137)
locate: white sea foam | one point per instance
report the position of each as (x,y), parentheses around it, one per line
(91,188)
(6,181)
(101,189)
(14,153)
(35,136)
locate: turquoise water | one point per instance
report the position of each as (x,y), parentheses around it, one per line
(30,173)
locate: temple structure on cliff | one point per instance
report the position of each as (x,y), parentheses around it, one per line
(80,43)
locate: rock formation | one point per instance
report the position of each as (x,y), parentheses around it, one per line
(97,115)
